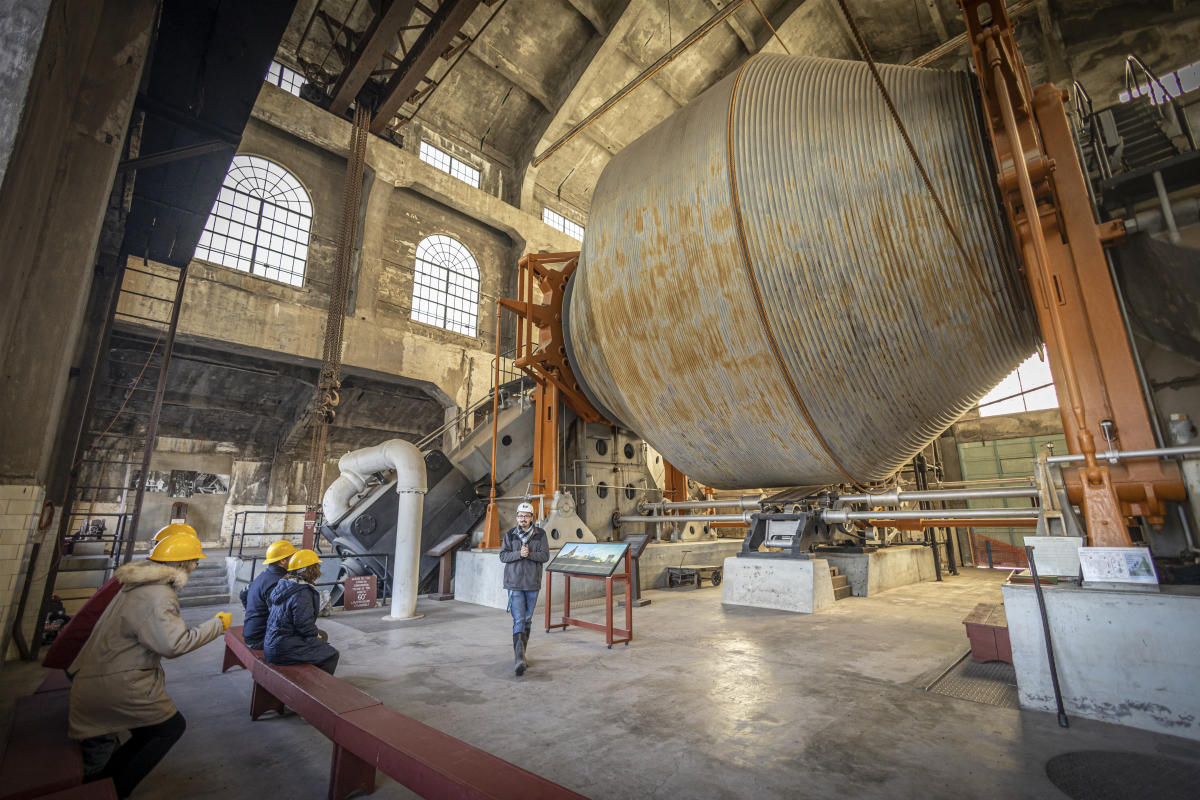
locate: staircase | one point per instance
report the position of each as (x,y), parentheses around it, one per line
(208,586)
(841,584)
(1140,134)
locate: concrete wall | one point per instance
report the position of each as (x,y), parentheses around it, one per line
(1127,657)
(22,23)
(72,123)
(408,201)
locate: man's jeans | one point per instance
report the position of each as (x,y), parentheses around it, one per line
(521,605)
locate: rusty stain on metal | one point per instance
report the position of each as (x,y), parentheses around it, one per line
(882,337)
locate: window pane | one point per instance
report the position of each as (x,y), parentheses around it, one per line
(446,285)
(245,230)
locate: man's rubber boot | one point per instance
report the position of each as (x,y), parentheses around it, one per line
(525,646)
(518,655)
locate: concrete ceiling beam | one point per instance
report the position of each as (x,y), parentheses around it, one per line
(590,10)
(518,78)
(738,28)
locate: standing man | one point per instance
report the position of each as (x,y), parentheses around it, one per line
(523,552)
(256,596)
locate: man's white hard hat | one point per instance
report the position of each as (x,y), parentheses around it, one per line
(525,507)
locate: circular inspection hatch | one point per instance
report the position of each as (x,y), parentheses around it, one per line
(1117,775)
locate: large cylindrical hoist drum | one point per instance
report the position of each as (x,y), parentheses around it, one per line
(767,292)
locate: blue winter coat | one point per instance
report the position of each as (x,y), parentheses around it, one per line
(292,625)
(258,604)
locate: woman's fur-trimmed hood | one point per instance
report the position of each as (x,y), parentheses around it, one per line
(141,573)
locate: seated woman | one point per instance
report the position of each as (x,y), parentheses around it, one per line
(118,680)
(292,635)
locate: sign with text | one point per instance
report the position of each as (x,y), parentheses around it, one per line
(1117,565)
(1056,555)
(360,592)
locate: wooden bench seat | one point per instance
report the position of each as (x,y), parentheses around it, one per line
(368,736)
(96,790)
(435,764)
(38,757)
(313,694)
(237,651)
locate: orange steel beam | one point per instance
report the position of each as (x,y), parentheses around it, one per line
(545,445)
(545,358)
(1045,197)
(674,483)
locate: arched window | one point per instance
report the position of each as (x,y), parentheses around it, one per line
(446,285)
(260,222)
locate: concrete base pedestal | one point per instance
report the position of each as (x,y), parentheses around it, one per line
(479,574)
(785,584)
(1127,657)
(871,573)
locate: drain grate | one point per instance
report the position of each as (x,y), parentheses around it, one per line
(993,683)
(1106,775)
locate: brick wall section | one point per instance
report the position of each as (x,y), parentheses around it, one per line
(19,507)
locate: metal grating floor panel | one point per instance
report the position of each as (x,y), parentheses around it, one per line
(993,683)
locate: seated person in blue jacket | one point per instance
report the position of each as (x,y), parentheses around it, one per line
(292,635)
(256,598)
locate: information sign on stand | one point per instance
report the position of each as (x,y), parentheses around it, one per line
(597,562)
(637,544)
(359,592)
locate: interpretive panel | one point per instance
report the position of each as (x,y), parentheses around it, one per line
(1117,565)
(588,558)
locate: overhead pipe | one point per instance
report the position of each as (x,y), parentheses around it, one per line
(746,518)
(1121,455)
(897,496)
(409,465)
(831,516)
(744,503)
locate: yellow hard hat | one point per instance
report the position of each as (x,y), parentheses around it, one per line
(302,559)
(174,528)
(177,547)
(278,551)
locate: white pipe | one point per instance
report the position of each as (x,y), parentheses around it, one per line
(356,466)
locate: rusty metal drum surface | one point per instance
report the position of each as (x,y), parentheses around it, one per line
(766,292)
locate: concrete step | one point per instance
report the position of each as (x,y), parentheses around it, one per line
(217,583)
(80,579)
(203,600)
(841,592)
(85,548)
(77,563)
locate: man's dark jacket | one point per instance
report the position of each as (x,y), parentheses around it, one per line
(258,604)
(292,625)
(524,574)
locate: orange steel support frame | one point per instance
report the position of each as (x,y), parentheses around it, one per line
(543,356)
(1045,196)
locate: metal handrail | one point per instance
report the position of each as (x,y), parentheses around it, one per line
(1085,113)
(1133,87)
(244,516)
(383,587)
(509,372)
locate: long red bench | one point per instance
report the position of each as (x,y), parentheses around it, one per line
(39,760)
(368,736)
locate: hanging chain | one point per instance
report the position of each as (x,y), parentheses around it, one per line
(330,381)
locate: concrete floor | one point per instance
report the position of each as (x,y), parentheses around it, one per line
(707,702)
